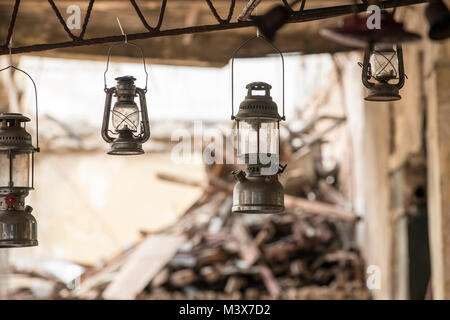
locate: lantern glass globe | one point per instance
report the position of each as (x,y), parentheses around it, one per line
(384,64)
(18,165)
(257,137)
(125,115)
(4,169)
(21,169)
(269,137)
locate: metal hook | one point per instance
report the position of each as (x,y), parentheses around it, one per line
(121,30)
(257,29)
(232,70)
(10,51)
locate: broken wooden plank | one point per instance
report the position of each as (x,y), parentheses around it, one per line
(234,283)
(182,278)
(248,250)
(317,207)
(269,281)
(142,265)
(333,195)
(210,274)
(213,183)
(161,278)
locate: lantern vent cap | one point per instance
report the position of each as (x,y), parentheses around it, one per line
(258,85)
(125,88)
(13,116)
(14,136)
(126,78)
(258,106)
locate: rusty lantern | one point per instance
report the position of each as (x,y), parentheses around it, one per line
(258,137)
(383,72)
(18,227)
(131,127)
(382,69)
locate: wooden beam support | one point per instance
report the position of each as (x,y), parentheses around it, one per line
(371,190)
(377,217)
(438,147)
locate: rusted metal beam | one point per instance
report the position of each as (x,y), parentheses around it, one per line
(304,16)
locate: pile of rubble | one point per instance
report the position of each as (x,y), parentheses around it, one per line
(211,253)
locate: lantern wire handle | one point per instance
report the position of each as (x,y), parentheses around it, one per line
(11,66)
(122,44)
(232,70)
(10,51)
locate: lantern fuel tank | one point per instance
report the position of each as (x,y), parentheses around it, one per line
(257,194)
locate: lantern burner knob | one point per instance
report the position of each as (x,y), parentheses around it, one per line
(10,200)
(125,88)
(239,175)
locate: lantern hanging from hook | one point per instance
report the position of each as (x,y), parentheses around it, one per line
(383,72)
(258,142)
(130,125)
(18,227)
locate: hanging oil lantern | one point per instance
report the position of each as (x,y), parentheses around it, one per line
(382,63)
(384,66)
(18,227)
(131,127)
(258,134)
